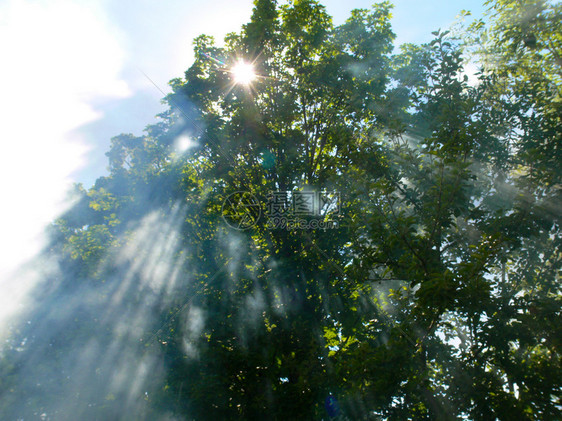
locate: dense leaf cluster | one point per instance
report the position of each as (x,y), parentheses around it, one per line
(438,295)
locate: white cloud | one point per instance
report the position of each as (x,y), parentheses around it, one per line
(58,57)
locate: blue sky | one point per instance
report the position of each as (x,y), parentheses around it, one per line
(70,80)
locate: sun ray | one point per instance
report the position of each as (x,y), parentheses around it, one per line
(243,73)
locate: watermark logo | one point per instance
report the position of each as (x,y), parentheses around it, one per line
(303,210)
(241,210)
(289,210)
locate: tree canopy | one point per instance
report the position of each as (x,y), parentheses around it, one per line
(434,295)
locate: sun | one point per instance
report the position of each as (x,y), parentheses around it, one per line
(243,73)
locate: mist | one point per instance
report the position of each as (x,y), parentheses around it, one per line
(342,230)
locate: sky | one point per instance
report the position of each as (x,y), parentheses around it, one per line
(72,77)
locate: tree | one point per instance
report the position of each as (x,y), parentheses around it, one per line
(437,296)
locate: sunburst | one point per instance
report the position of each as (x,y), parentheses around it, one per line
(243,73)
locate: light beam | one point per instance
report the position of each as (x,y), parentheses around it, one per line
(243,73)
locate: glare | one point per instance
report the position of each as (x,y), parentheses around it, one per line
(183,143)
(79,61)
(243,73)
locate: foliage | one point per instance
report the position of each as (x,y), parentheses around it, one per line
(438,297)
